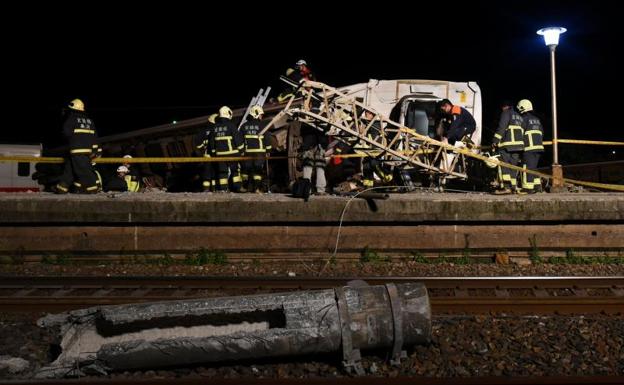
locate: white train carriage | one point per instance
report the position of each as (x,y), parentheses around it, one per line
(17,176)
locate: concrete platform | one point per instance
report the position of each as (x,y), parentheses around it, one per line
(262,225)
(40,208)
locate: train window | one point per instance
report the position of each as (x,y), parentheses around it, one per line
(154,150)
(23,169)
(176,148)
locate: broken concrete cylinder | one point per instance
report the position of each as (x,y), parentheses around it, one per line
(177,333)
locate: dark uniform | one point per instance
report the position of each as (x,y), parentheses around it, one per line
(132,180)
(226,141)
(202,143)
(462,124)
(256,146)
(508,139)
(116,183)
(533,149)
(81,136)
(370,164)
(296,75)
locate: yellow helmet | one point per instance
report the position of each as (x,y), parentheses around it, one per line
(524,105)
(492,161)
(256,111)
(225,112)
(76,104)
(212,118)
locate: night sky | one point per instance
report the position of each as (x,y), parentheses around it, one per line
(141,65)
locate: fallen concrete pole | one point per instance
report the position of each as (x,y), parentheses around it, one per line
(178,333)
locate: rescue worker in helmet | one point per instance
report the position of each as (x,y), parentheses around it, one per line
(256,146)
(81,136)
(509,144)
(533,146)
(134,175)
(300,71)
(462,123)
(370,164)
(226,142)
(202,146)
(313,148)
(118,181)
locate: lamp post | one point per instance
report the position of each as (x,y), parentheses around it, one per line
(551,38)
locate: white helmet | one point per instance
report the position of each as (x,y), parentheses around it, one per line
(76,104)
(225,112)
(301,62)
(524,105)
(123,169)
(492,161)
(256,111)
(127,156)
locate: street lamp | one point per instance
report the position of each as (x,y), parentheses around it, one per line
(551,38)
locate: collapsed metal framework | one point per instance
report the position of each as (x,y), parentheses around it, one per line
(335,113)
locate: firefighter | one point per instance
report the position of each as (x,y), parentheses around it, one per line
(509,143)
(81,136)
(299,72)
(313,147)
(533,146)
(226,142)
(256,147)
(462,124)
(119,182)
(133,176)
(370,164)
(202,145)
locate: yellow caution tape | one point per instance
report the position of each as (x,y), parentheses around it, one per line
(592,142)
(136,160)
(35,159)
(613,187)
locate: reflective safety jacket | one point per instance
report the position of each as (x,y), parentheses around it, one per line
(80,133)
(226,140)
(201,141)
(373,133)
(254,141)
(533,133)
(133,184)
(508,136)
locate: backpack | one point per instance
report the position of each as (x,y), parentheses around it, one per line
(301,188)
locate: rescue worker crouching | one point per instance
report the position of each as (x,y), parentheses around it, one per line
(509,143)
(226,142)
(533,146)
(118,182)
(256,147)
(81,137)
(133,176)
(462,123)
(370,164)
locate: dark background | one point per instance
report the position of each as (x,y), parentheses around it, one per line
(146,64)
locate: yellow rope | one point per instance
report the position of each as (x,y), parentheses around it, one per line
(592,142)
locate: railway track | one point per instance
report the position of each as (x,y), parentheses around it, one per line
(555,380)
(472,295)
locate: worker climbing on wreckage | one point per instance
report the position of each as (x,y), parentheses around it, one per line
(300,71)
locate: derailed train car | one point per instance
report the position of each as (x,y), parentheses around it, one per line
(412,103)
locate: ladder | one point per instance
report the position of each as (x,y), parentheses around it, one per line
(259,100)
